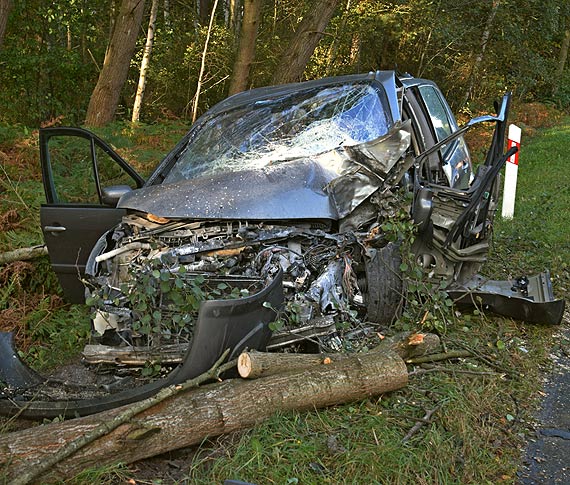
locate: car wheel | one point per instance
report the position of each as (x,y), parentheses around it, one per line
(384,292)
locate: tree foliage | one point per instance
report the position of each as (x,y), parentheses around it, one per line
(52,52)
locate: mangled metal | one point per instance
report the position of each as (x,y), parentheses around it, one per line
(525,298)
(317,157)
(264,228)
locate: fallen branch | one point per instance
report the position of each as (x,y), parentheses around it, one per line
(453,354)
(188,418)
(23,254)
(425,420)
(105,428)
(490,362)
(136,356)
(455,371)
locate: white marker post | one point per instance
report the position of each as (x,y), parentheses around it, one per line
(511,172)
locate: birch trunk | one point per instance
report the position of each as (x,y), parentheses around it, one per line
(145,62)
(23,254)
(203,64)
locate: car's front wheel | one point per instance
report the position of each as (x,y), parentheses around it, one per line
(384,284)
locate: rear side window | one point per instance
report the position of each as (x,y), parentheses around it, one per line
(439,115)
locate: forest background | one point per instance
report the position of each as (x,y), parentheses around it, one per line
(79,62)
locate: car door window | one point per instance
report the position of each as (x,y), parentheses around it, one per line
(437,112)
(75,175)
(456,162)
(72,170)
(77,166)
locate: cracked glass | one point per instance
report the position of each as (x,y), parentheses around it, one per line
(299,125)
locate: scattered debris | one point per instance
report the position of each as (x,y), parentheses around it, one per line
(291,218)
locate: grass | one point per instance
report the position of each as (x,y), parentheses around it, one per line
(482,420)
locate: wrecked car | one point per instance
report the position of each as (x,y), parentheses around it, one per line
(271,224)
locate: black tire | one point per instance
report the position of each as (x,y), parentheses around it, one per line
(384,295)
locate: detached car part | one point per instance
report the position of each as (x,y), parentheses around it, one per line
(221,325)
(530,299)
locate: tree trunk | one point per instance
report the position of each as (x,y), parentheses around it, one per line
(203,64)
(234,11)
(112,21)
(407,345)
(5,8)
(105,97)
(145,62)
(484,40)
(204,8)
(246,50)
(355,48)
(295,58)
(561,61)
(189,417)
(68,37)
(167,14)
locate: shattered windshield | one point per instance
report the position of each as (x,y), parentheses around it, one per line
(301,124)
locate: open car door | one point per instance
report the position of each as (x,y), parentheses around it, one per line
(83,180)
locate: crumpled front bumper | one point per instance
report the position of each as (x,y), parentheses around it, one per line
(222,324)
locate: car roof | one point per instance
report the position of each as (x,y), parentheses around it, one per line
(388,79)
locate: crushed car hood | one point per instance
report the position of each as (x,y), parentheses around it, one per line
(292,191)
(327,186)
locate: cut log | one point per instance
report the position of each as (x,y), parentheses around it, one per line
(187,418)
(252,365)
(135,356)
(23,254)
(407,345)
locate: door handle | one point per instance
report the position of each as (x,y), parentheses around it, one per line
(54,229)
